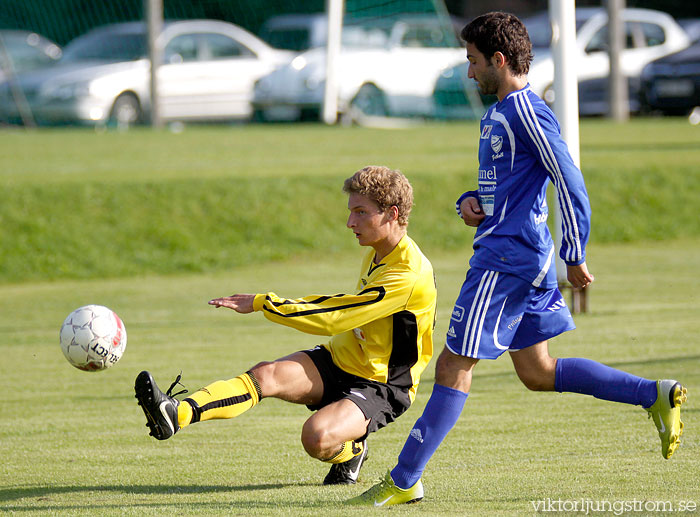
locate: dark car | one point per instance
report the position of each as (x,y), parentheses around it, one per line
(672,84)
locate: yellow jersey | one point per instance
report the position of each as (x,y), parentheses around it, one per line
(382,332)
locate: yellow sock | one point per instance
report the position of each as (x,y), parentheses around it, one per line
(222,399)
(347,452)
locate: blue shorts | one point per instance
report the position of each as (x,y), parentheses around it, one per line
(495,312)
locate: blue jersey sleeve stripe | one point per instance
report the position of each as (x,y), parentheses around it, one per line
(529,119)
(573,249)
(543,272)
(530,123)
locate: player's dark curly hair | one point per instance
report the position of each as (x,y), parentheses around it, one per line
(501,32)
(384,186)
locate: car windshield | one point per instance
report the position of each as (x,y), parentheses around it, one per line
(26,51)
(107,47)
(540,30)
(297,39)
(367,36)
(404,33)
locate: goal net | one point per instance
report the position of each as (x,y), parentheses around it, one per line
(85,62)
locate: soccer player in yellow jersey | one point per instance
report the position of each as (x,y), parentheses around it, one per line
(366,375)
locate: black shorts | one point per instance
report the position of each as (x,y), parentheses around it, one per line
(380,403)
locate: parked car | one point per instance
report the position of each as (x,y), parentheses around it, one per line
(649,35)
(297,32)
(671,84)
(386,67)
(25,50)
(208,71)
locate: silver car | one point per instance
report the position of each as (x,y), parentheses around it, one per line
(208,71)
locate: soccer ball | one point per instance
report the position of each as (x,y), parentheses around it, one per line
(93,338)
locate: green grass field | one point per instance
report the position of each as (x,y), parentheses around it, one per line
(209,199)
(74,443)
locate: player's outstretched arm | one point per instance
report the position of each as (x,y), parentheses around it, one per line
(242,303)
(579,275)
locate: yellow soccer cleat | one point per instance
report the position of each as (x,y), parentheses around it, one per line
(666,413)
(386,493)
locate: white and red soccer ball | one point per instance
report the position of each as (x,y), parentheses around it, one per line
(93,338)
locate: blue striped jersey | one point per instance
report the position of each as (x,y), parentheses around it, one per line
(520,151)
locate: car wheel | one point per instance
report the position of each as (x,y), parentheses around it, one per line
(370,100)
(126,110)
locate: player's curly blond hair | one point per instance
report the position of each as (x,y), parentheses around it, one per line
(384,186)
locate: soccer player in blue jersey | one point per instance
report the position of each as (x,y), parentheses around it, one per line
(510,300)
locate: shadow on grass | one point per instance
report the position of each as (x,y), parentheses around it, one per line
(659,360)
(683,359)
(46,492)
(156,508)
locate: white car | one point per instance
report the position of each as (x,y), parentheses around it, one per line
(208,71)
(649,35)
(386,67)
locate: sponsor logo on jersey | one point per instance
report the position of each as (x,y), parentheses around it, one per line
(559,304)
(458,313)
(359,334)
(487,187)
(487,174)
(451,332)
(542,218)
(513,323)
(486,131)
(416,434)
(497,146)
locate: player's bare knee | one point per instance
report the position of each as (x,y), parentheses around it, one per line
(537,381)
(454,371)
(260,365)
(315,440)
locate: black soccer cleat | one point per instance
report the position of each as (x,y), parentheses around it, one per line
(346,473)
(160,408)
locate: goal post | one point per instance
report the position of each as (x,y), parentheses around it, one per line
(334,10)
(562,16)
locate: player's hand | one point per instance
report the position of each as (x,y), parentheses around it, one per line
(472,214)
(579,275)
(242,303)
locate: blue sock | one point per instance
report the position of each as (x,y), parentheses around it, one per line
(440,415)
(577,375)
